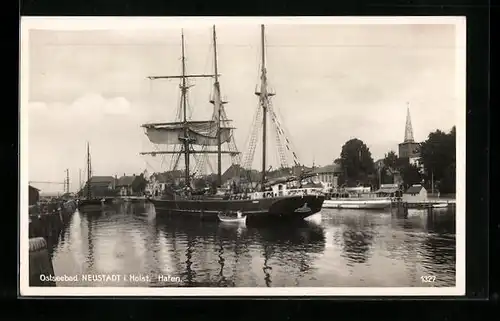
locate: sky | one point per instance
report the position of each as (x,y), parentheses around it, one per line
(333,82)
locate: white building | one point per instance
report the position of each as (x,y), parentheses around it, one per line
(416,193)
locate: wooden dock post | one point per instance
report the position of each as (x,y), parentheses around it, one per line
(401,208)
(405,209)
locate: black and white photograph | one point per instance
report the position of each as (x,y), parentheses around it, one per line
(242,156)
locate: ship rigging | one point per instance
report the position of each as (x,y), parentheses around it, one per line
(218,134)
(197,137)
(187,133)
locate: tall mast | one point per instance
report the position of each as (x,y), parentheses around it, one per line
(263,101)
(218,103)
(67,180)
(184,89)
(186,141)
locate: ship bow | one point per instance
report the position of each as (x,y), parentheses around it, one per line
(297,207)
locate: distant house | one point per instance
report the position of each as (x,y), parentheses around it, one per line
(124,185)
(380,163)
(397,179)
(158,182)
(389,190)
(100,186)
(329,174)
(33,195)
(67,196)
(236,174)
(232,175)
(415,193)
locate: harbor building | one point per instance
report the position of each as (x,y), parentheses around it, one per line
(158,182)
(416,193)
(329,175)
(33,195)
(389,190)
(124,185)
(100,186)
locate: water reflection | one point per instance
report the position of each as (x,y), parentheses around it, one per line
(342,248)
(358,234)
(236,248)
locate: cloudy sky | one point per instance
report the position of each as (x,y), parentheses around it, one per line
(332,83)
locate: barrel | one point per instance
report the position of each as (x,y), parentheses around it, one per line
(40,265)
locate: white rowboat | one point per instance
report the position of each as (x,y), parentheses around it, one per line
(239,218)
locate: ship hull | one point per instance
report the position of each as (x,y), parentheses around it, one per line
(358,204)
(93,205)
(273,208)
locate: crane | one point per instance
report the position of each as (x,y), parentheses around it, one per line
(65,182)
(45,182)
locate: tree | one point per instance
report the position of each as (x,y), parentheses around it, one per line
(391,160)
(438,155)
(139,184)
(357,162)
(410,174)
(386,176)
(448,183)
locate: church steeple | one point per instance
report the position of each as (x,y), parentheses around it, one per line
(408,127)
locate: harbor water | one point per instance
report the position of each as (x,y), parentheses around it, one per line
(127,245)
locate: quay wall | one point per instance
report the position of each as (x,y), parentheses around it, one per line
(39,262)
(45,225)
(441,196)
(47,222)
(400,208)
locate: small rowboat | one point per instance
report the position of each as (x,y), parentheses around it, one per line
(237,217)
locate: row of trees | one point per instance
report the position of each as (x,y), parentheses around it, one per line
(437,164)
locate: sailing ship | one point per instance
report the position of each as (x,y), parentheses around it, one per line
(89,202)
(284,204)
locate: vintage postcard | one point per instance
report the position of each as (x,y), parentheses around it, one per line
(242,156)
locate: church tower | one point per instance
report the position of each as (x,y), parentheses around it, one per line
(409,148)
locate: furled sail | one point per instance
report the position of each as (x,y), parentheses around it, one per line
(202,133)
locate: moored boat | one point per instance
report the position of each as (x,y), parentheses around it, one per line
(133,199)
(345,203)
(237,217)
(264,204)
(256,207)
(440,205)
(89,202)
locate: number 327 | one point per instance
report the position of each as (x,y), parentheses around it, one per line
(428,278)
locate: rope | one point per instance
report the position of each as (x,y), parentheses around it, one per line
(286,134)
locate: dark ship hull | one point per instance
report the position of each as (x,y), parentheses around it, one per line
(272,208)
(93,205)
